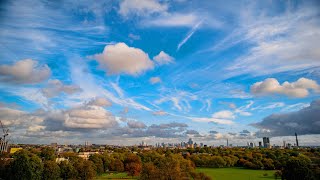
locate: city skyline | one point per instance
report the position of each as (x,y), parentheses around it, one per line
(123,72)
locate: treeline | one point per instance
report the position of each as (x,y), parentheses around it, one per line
(42,165)
(160,163)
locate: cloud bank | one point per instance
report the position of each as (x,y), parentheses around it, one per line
(304,121)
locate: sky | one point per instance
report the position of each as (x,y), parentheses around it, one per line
(122,72)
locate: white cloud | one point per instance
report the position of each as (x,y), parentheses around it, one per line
(154,80)
(286,42)
(29,93)
(117,88)
(97,87)
(269,106)
(211,119)
(25,71)
(99,101)
(163,58)
(89,117)
(173,20)
(297,89)
(180,99)
(193,30)
(55,87)
(11,117)
(141,7)
(94,86)
(223,115)
(134,37)
(35,128)
(159,113)
(136,124)
(120,58)
(232,106)
(295,107)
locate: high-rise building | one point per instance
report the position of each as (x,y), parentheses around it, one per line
(297,143)
(266,142)
(251,144)
(260,144)
(190,142)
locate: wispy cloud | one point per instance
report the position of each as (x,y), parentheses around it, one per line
(190,33)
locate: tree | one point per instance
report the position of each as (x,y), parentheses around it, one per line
(133,169)
(297,168)
(133,165)
(149,171)
(217,161)
(116,165)
(26,166)
(169,168)
(97,161)
(4,165)
(268,164)
(67,171)
(85,169)
(51,170)
(48,153)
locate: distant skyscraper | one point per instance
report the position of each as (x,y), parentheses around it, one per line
(260,144)
(190,142)
(251,144)
(266,142)
(297,143)
(227,143)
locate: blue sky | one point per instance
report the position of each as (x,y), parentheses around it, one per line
(120,72)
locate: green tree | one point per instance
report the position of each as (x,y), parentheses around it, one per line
(116,165)
(97,161)
(51,170)
(85,169)
(297,168)
(67,171)
(48,153)
(26,166)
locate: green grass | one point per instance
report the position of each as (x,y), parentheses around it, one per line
(114,175)
(236,173)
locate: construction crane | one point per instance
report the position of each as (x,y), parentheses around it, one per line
(3,142)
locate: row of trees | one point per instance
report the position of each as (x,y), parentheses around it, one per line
(159,163)
(25,165)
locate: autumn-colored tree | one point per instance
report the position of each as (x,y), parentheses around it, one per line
(149,171)
(169,168)
(268,164)
(133,164)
